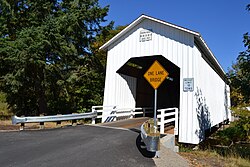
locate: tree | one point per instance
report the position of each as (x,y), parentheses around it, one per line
(239,75)
(107,33)
(45,56)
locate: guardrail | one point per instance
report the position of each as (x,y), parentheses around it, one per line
(97,113)
(150,136)
(166,116)
(52,118)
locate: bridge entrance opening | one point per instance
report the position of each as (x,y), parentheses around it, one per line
(169,90)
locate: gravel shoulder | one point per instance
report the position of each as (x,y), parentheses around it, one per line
(170,159)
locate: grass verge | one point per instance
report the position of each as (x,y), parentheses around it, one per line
(211,158)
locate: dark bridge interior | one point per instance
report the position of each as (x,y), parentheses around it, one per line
(168,91)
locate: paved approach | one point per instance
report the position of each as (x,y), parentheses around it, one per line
(73,146)
(110,144)
(167,158)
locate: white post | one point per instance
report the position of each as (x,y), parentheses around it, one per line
(115,112)
(131,113)
(93,119)
(162,121)
(176,128)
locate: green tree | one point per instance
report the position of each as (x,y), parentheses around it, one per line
(107,33)
(46,62)
(239,76)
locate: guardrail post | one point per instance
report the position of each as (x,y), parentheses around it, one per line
(41,123)
(22,124)
(176,124)
(73,122)
(93,111)
(59,123)
(144,112)
(162,121)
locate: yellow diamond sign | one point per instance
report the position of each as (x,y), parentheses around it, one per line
(156,74)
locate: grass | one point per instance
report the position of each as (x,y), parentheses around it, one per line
(209,154)
(207,158)
(237,162)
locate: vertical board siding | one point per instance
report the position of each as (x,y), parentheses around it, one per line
(209,97)
(178,47)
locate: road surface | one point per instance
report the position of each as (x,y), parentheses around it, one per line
(73,146)
(105,145)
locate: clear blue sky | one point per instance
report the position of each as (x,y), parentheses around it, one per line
(221,23)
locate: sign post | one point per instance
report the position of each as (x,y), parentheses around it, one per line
(155,75)
(155,110)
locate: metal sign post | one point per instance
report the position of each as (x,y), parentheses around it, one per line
(155,109)
(155,75)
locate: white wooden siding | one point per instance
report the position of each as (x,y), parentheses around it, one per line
(178,47)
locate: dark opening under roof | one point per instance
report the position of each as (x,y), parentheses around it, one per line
(137,66)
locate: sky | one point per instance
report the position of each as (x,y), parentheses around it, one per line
(221,23)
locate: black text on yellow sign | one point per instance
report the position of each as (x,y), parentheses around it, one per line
(156,74)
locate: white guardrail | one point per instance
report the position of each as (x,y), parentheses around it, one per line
(164,118)
(111,113)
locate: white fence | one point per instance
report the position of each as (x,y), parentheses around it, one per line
(111,113)
(165,116)
(108,114)
(168,115)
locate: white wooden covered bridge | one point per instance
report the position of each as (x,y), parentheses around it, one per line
(196,84)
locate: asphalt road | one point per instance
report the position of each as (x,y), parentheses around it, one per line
(74,146)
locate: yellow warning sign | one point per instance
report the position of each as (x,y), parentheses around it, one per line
(156,74)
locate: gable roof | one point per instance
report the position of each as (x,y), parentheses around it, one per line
(199,41)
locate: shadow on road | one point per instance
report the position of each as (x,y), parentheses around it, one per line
(142,148)
(141,145)
(135,130)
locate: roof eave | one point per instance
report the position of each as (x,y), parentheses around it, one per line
(117,36)
(216,65)
(210,53)
(136,22)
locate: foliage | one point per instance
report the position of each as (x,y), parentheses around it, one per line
(101,39)
(46,63)
(231,134)
(239,76)
(3,104)
(239,130)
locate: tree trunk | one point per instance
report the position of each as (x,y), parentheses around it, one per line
(40,94)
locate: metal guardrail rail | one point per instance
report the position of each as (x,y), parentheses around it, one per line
(110,113)
(150,136)
(52,118)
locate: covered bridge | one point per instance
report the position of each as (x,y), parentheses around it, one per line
(196,84)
